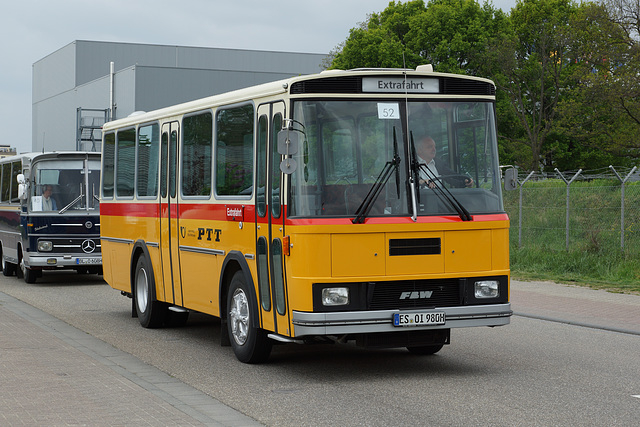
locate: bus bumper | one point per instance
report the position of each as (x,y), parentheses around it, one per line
(359,322)
(63,261)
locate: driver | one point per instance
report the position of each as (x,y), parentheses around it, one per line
(426,151)
(48,202)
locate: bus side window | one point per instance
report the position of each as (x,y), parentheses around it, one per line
(261,169)
(196,154)
(148,155)
(234,151)
(15,171)
(125,162)
(108,160)
(5,191)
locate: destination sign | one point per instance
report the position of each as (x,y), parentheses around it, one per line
(400,85)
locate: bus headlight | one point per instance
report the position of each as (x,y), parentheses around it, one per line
(487,289)
(45,246)
(335,296)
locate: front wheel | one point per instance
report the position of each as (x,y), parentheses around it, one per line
(28,274)
(250,343)
(151,313)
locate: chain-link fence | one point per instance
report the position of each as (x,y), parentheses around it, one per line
(577,210)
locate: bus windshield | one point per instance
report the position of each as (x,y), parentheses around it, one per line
(446,158)
(64,185)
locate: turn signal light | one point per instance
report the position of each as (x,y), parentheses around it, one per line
(286,245)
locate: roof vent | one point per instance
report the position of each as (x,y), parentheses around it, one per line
(426,68)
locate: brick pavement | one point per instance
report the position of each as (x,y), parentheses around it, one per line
(52,374)
(576,305)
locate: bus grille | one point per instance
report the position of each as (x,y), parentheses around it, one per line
(83,245)
(415,294)
(427,246)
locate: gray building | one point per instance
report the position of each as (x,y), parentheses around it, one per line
(75,89)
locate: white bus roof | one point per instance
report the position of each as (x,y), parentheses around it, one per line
(271,89)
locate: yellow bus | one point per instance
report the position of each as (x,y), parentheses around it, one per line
(347,206)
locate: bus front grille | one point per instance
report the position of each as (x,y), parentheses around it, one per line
(84,246)
(415,294)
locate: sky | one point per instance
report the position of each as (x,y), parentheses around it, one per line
(33,29)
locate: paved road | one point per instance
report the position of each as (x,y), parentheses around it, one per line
(72,355)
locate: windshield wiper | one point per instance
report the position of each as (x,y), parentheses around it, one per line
(438,188)
(371,197)
(76,200)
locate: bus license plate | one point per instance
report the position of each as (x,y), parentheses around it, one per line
(419,318)
(88,260)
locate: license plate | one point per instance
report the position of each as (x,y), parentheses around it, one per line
(419,318)
(88,260)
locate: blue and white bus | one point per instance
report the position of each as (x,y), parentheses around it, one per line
(50,213)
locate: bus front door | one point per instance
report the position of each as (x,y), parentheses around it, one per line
(169,227)
(270,222)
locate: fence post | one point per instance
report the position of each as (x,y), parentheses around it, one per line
(622,183)
(520,210)
(568,186)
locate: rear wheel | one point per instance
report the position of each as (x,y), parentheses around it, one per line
(8,268)
(151,313)
(250,343)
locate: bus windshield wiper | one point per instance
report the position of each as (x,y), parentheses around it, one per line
(438,188)
(74,201)
(371,197)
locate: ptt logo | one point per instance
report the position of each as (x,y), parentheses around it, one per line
(416,295)
(206,234)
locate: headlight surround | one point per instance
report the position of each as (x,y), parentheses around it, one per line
(332,297)
(486,289)
(45,246)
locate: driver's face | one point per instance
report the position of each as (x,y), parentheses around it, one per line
(427,149)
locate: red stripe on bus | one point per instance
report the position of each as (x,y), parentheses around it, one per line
(396,220)
(218,212)
(210,211)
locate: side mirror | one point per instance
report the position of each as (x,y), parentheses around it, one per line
(511,179)
(22,187)
(288,141)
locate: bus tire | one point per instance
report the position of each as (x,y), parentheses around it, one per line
(28,274)
(425,350)
(250,343)
(151,313)
(7,268)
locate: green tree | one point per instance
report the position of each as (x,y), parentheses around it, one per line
(446,33)
(603,111)
(453,34)
(531,67)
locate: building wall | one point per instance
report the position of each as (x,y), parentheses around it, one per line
(162,87)
(54,74)
(147,77)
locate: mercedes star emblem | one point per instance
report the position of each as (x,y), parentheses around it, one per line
(88,246)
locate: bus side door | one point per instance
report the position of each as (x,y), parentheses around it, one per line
(270,221)
(169,227)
